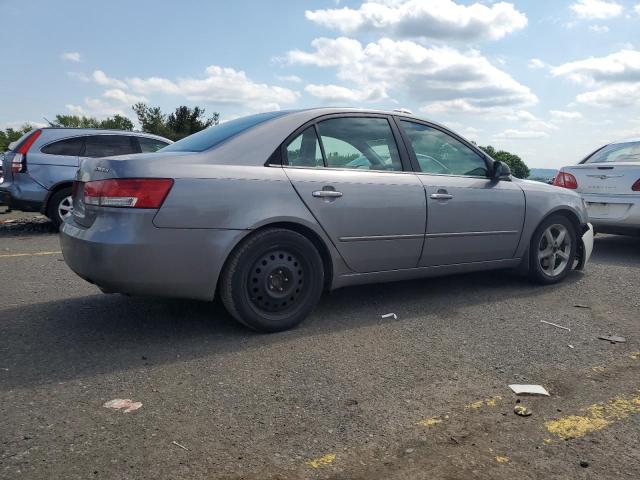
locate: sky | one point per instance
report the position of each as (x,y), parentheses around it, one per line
(549,80)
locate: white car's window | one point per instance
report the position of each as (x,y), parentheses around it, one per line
(440,153)
(619,152)
(97,146)
(304,150)
(359,143)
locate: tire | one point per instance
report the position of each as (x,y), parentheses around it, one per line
(549,262)
(59,203)
(273,280)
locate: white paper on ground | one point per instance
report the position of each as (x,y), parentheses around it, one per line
(529,390)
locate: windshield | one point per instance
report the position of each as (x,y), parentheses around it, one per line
(212,136)
(617,152)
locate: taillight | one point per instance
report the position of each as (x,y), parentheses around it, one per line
(565,180)
(636,186)
(127,192)
(19,161)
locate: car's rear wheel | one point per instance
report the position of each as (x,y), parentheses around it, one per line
(60,206)
(272,280)
(553,250)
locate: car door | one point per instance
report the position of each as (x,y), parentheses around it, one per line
(470,216)
(349,173)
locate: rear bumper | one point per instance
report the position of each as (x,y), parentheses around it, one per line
(610,212)
(26,195)
(122,252)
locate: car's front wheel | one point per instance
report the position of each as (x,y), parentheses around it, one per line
(60,206)
(272,280)
(553,250)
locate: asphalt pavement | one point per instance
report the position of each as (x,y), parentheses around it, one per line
(347,395)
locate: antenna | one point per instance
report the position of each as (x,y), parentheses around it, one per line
(51,124)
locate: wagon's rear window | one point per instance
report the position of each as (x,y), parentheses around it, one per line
(212,136)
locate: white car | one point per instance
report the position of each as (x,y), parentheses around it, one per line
(609,182)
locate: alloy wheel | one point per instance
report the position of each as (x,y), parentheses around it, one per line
(65,208)
(554,250)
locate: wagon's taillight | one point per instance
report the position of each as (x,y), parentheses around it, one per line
(636,186)
(565,180)
(19,161)
(127,192)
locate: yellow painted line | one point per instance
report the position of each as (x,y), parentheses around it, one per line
(489,402)
(596,417)
(430,422)
(35,254)
(323,461)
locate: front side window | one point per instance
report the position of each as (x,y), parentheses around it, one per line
(359,143)
(440,153)
(148,145)
(304,150)
(98,146)
(69,147)
(619,152)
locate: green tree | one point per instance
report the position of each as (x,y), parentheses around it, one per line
(179,124)
(117,122)
(9,135)
(518,167)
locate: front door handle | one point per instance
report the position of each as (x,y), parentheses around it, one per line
(441,196)
(326,194)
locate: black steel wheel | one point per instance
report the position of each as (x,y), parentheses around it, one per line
(272,280)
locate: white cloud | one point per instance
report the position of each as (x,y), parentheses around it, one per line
(637,9)
(123,97)
(596,9)
(71,56)
(435,19)
(559,115)
(101,78)
(514,134)
(536,64)
(336,93)
(613,80)
(442,76)
(95,107)
(599,28)
(76,109)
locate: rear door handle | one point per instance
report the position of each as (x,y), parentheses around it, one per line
(441,196)
(326,194)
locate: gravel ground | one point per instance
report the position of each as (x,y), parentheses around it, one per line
(347,395)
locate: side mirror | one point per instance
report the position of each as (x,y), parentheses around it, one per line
(501,171)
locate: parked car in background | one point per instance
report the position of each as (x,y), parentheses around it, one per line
(39,168)
(609,182)
(270,210)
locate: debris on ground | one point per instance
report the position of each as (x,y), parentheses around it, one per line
(522,411)
(582,306)
(571,346)
(584,464)
(529,390)
(555,325)
(181,446)
(390,315)
(501,459)
(126,404)
(613,338)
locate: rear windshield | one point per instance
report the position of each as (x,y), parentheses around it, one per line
(212,136)
(616,152)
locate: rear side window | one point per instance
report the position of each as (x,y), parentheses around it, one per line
(148,145)
(70,147)
(212,136)
(359,143)
(109,145)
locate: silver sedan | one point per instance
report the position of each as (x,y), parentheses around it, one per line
(270,210)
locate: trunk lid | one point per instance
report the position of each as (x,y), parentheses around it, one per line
(605,178)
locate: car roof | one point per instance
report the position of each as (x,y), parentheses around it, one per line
(626,140)
(400,112)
